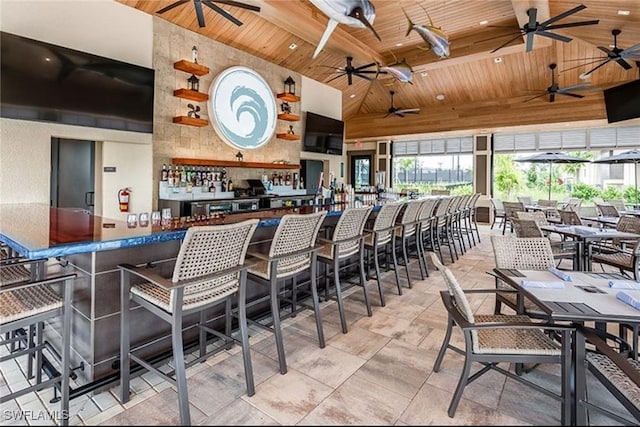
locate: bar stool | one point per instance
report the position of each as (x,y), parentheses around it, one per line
(208,271)
(26,303)
(291,253)
(380,237)
(425,231)
(407,228)
(347,241)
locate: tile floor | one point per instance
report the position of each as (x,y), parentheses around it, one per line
(379,373)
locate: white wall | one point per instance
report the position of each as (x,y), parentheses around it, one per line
(325,100)
(101,27)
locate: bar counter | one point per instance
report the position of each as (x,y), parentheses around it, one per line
(92,247)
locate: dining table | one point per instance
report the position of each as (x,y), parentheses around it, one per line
(587,235)
(579,297)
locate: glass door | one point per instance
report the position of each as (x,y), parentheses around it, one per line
(361,171)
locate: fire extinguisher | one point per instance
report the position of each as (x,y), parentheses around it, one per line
(123,199)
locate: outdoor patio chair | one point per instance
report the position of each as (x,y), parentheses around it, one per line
(608,358)
(561,249)
(525,200)
(510,209)
(493,339)
(533,253)
(498,212)
(607,209)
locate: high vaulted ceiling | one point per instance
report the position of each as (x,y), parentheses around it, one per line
(480,91)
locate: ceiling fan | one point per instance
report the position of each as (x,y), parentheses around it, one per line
(197,4)
(533,27)
(554,89)
(616,54)
(351,71)
(400,111)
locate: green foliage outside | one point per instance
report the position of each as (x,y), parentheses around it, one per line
(507,178)
(611,193)
(585,192)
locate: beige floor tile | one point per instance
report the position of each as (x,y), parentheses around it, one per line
(399,367)
(239,413)
(360,342)
(358,402)
(329,365)
(289,398)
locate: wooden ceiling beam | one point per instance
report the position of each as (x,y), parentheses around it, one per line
(299,19)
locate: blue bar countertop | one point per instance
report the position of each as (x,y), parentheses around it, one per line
(40,231)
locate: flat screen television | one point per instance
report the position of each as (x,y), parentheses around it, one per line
(323,134)
(623,102)
(44,82)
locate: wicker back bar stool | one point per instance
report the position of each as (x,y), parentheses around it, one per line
(209,271)
(292,252)
(442,228)
(425,231)
(406,230)
(28,304)
(347,241)
(379,238)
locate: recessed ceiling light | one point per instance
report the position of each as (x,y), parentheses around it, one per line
(485,22)
(293,46)
(440,97)
(497,59)
(424,74)
(624,12)
(399,44)
(353,95)
(47,59)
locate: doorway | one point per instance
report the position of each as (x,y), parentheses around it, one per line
(72,173)
(361,168)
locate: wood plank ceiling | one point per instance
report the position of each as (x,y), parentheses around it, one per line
(480,93)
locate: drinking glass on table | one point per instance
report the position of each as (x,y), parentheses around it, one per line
(155,218)
(143,219)
(132,220)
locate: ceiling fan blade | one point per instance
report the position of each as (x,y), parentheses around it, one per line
(596,67)
(537,96)
(579,86)
(408,110)
(563,15)
(586,63)
(529,42)
(223,12)
(507,43)
(333,78)
(171,6)
(399,114)
(533,17)
(363,77)
(552,97)
(554,36)
(199,13)
(575,95)
(632,52)
(238,4)
(349,79)
(362,67)
(369,72)
(387,115)
(572,24)
(624,64)
(606,50)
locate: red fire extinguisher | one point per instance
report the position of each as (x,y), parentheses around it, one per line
(123,199)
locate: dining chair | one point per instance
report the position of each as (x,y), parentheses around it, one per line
(292,253)
(498,212)
(493,339)
(607,209)
(608,359)
(525,200)
(562,249)
(510,209)
(209,271)
(346,242)
(533,253)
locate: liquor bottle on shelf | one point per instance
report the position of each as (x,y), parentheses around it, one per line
(301,186)
(164,172)
(183,177)
(223,186)
(287,179)
(170,180)
(280,179)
